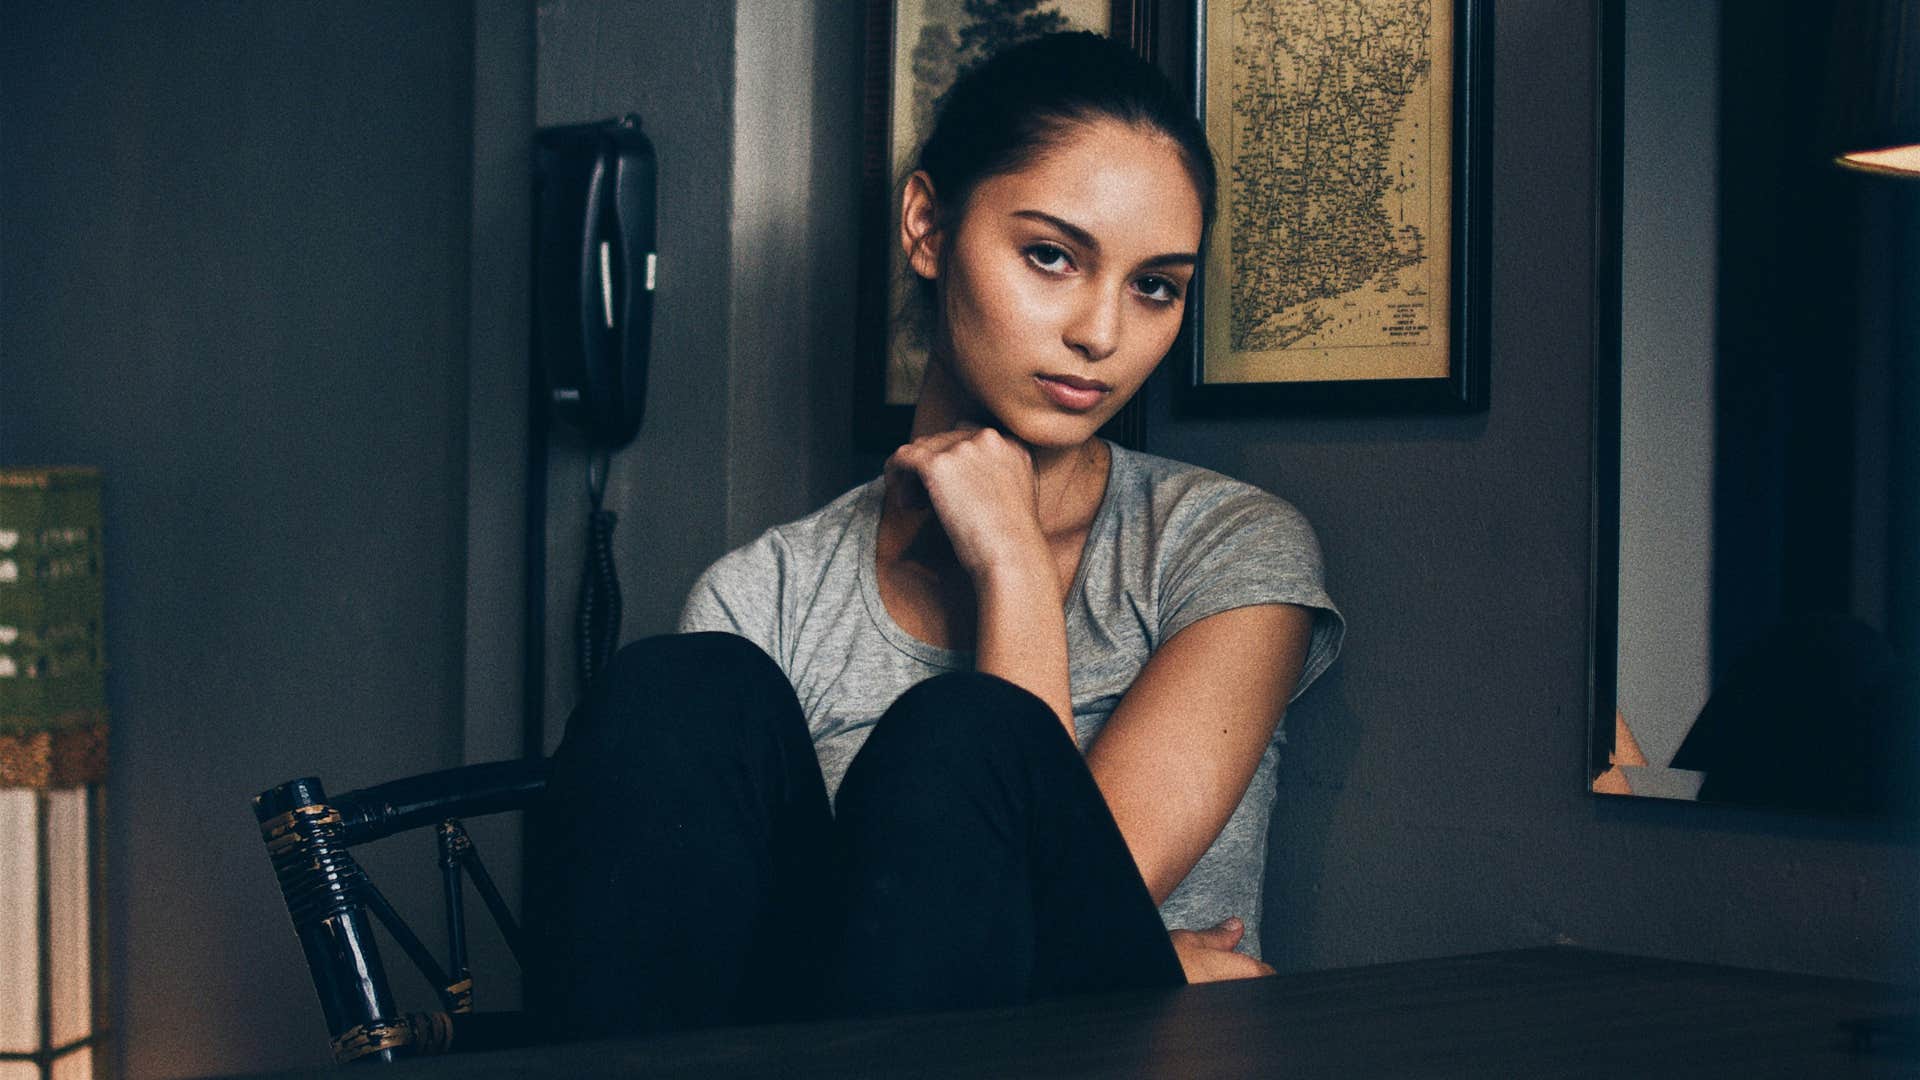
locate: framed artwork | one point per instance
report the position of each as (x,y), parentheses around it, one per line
(914,51)
(1348,268)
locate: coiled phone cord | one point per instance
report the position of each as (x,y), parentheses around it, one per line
(597,626)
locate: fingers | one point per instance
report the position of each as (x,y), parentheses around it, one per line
(1233,965)
(1223,935)
(942,440)
(904,488)
(926,453)
(916,455)
(980,484)
(1204,958)
(1203,965)
(906,484)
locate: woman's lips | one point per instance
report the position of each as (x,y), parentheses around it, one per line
(1072,392)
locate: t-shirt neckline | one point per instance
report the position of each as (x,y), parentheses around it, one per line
(940,656)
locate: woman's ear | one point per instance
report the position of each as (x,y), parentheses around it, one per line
(920,226)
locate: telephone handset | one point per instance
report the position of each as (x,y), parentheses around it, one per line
(593,278)
(594,274)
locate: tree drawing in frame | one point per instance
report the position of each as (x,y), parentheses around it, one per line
(934,41)
(1334,118)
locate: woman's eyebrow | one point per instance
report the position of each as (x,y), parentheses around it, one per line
(1085,239)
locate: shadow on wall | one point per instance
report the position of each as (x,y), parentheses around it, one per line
(1323,740)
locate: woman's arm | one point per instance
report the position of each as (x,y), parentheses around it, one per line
(1175,758)
(1023,635)
(1177,754)
(981,486)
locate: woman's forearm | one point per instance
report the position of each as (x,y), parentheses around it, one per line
(1022,633)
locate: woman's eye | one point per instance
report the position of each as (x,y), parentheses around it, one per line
(1160,289)
(1049,257)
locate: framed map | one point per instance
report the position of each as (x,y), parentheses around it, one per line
(1348,267)
(914,51)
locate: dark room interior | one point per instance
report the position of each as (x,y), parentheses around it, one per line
(264,266)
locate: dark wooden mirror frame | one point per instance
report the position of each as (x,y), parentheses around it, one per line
(1854,262)
(1603,587)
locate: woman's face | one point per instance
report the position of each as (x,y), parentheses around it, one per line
(1065,281)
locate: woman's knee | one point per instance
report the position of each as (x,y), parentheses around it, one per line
(953,754)
(964,714)
(671,660)
(701,685)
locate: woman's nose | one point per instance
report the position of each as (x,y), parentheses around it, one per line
(1094,328)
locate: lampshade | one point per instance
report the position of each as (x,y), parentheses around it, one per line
(1875,91)
(52,764)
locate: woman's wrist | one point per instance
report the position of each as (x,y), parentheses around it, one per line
(1022,633)
(1023,571)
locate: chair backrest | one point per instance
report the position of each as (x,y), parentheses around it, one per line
(333,904)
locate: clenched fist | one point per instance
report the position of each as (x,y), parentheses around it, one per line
(980,485)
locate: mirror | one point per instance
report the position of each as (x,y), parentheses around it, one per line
(1754,620)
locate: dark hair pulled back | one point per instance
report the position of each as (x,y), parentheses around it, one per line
(1008,110)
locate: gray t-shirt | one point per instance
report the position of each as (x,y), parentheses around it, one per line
(1170,545)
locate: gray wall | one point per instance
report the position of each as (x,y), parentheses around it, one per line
(234,273)
(266,267)
(795,228)
(754,115)
(596,60)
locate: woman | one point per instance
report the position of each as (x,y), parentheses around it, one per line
(851,783)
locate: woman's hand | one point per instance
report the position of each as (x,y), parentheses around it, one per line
(1208,956)
(980,485)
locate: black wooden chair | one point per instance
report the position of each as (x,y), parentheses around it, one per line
(329,897)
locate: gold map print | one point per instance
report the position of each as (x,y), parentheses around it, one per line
(1336,190)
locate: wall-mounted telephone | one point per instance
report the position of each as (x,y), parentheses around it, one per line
(594,271)
(594,274)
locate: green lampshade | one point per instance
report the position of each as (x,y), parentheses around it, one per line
(53,702)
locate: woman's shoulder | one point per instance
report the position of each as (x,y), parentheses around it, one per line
(811,536)
(744,589)
(1217,543)
(1173,496)
(850,507)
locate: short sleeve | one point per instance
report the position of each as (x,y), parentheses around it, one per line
(740,594)
(1238,546)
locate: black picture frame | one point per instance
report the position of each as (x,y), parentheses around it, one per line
(1464,386)
(878,423)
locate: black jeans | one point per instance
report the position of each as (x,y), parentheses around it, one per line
(691,873)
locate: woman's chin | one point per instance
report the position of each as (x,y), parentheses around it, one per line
(1055,430)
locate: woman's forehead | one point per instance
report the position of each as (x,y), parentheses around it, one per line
(1119,181)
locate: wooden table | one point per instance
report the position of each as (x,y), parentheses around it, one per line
(1532,1013)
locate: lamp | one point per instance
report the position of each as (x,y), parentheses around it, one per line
(53,737)
(1876,93)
